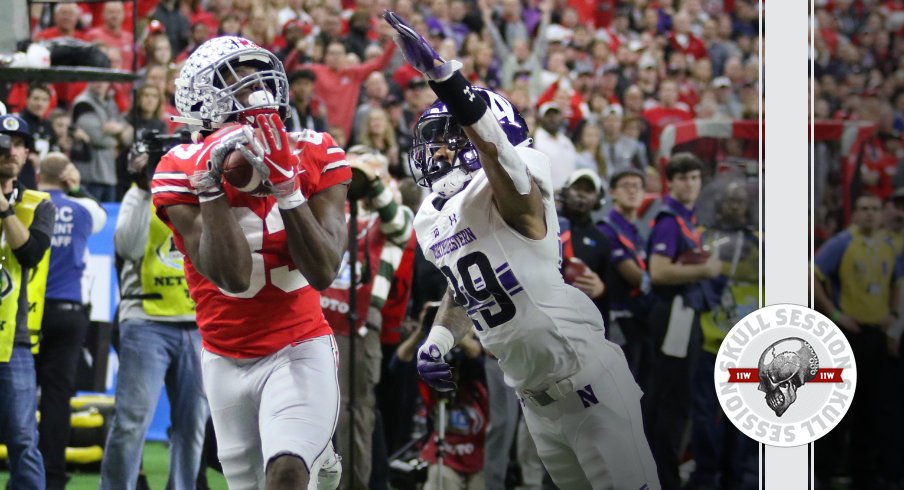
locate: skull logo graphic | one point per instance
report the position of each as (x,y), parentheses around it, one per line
(784,367)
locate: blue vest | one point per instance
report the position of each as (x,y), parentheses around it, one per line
(622,295)
(701,295)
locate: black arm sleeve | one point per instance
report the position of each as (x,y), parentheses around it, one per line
(464,105)
(41,229)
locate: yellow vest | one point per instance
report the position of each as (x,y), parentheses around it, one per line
(11,274)
(741,295)
(163,284)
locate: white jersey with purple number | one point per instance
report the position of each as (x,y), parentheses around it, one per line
(523,311)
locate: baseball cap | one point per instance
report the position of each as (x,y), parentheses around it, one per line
(588,174)
(12,124)
(546,107)
(646,62)
(416,82)
(721,82)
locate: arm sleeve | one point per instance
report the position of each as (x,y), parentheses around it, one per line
(619,252)
(132,225)
(364,69)
(539,47)
(664,237)
(395,219)
(40,231)
(390,258)
(170,185)
(330,162)
(91,124)
(95,210)
(828,257)
(501,48)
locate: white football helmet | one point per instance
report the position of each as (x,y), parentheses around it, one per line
(203,97)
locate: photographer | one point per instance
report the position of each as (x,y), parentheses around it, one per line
(66,319)
(467,410)
(26,219)
(159,341)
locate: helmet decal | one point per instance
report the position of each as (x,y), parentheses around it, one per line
(208,85)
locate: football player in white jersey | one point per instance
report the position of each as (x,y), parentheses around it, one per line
(490,226)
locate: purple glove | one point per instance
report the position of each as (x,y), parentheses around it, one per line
(418,51)
(433,369)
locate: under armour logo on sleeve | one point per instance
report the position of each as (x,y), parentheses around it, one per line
(467,91)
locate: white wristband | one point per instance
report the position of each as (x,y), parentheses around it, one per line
(291,201)
(441,337)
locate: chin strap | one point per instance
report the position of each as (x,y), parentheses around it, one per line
(192,121)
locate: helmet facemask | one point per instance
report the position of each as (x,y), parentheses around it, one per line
(445,176)
(204,97)
(269,81)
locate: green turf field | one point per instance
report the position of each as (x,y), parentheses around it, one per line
(156,462)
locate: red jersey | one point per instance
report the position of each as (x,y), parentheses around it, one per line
(279,307)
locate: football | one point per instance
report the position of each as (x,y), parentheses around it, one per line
(573,268)
(239,173)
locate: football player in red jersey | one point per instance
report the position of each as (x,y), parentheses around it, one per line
(255,263)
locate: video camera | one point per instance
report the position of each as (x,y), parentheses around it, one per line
(155,145)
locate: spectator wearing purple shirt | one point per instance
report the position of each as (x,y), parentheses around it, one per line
(628,281)
(678,269)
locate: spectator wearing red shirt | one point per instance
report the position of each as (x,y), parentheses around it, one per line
(65,24)
(576,108)
(669,111)
(339,84)
(683,40)
(112,34)
(597,13)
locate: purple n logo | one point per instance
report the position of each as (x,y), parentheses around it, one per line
(587,396)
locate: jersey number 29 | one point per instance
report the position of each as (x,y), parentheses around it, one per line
(480,289)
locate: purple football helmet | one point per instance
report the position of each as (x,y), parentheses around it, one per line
(436,128)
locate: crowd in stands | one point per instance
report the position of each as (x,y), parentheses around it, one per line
(600,79)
